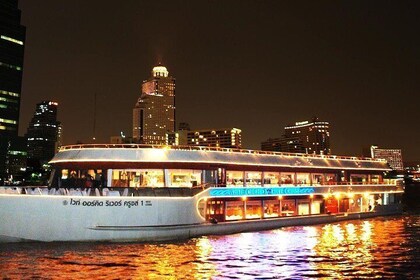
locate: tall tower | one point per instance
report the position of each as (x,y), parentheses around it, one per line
(154,112)
(44,132)
(310,137)
(12,41)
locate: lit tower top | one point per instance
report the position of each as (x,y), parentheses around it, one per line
(160,71)
(154,112)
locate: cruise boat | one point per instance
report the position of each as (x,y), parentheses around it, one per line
(131,192)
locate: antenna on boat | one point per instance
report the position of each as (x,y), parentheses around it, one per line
(94,118)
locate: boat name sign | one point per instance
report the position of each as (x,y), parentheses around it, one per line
(259,191)
(107,203)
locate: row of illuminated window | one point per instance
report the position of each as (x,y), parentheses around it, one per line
(8,121)
(37,139)
(10,39)
(10,93)
(257,209)
(136,178)
(188,178)
(48,125)
(2,127)
(8,100)
(252,178)
(10,66)
(272,208)
(17,153)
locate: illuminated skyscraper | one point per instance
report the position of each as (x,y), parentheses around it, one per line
(222,138)
(311,137)
(154,112)
(12,42)
(44,132)
(392,156)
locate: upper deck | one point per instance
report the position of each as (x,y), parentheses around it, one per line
(197,157)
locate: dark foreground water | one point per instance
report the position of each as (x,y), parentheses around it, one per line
(376,248)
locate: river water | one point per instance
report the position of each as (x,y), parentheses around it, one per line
(376,248)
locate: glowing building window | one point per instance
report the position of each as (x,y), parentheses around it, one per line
(8,121)
(8,100)
(10,39)
(3,92)
(11,66)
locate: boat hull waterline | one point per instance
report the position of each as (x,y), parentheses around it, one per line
(133,219)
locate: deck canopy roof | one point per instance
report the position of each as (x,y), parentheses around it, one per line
(193,156)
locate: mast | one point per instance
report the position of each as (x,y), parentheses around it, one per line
(94,118)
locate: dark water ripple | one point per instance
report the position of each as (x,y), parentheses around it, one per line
(377,248)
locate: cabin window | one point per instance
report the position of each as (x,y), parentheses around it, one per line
(209,177)
(64,174)
(316,207)
(271,208)
(376,179)
(253,178)
(271,178)
(317,179)
(287,178)
(253,209)
(137,178)
(234,210)
(184,178)
(303,208)
(288,207)
(330,179)
(81,178)
(303,179)
(234,178)
(358,179)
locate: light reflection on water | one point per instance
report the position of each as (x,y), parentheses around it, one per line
(377,248)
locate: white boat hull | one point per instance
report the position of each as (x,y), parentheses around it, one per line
(66,218)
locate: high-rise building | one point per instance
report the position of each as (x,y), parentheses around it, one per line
(222,137)
(271,144)
(12,42)
(313,136)
(392,156)
(154,112)
(310,137)
(283,144)
(44,132)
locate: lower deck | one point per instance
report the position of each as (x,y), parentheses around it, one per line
(252,208)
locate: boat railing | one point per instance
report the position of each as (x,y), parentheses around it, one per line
(207,148)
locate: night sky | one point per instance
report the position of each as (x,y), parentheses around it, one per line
(255,65)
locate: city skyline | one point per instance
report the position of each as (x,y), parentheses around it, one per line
(351,64)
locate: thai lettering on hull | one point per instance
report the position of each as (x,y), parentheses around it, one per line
(107,203)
